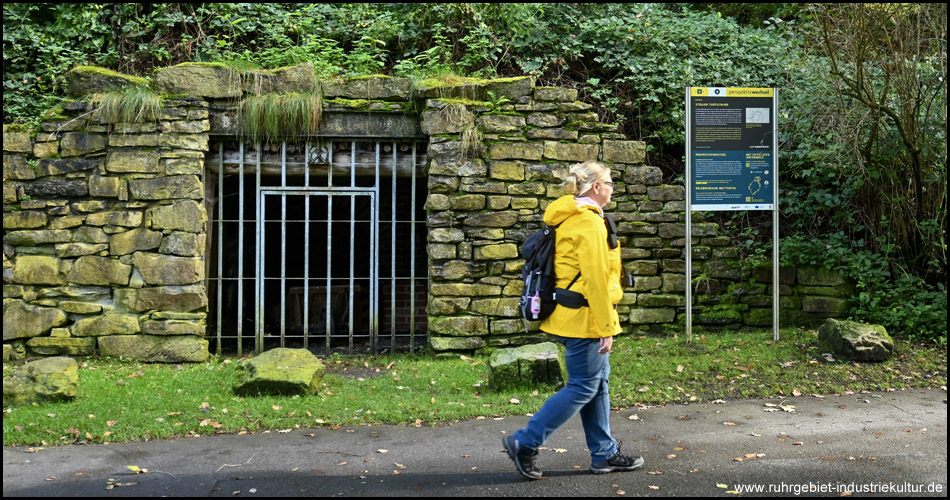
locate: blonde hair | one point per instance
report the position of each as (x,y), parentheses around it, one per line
(583,175)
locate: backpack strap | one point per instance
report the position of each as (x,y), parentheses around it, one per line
(574,280)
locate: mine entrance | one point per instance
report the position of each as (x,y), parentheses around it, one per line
(317,245)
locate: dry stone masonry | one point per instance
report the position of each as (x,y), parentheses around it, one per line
(105,224)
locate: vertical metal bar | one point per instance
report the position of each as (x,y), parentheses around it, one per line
(349,305)
(349,314)
(412,257)
(329,269)
(240,269)
(392,263)
(220,236)
(374,259)
(689,224)
(258,275)
(775,237)
(306,247)
(283,244)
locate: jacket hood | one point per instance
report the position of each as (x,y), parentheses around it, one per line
(562,208)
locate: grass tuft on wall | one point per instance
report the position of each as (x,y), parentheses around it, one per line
(272,117)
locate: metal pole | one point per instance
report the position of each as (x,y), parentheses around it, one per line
(689,223)
(775,236)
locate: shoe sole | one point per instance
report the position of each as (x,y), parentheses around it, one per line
(607,470)
(512,453)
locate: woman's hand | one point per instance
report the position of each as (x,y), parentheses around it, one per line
(605,344)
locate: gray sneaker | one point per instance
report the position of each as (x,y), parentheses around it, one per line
(523,458)
(617,463)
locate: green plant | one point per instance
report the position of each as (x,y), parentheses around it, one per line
(130,104)
(905,304)
(275,116)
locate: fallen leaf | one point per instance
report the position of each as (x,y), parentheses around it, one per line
(729,423)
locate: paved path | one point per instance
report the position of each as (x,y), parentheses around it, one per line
(830,444)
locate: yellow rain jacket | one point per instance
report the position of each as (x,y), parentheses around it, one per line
(581,245)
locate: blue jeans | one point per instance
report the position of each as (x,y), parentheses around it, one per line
(586,392)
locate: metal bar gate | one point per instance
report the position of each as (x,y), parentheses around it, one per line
(357,201)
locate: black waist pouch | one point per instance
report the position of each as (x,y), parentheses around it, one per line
(569,299)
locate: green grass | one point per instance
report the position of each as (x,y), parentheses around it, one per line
(131,104)
(275,116)
(127,401)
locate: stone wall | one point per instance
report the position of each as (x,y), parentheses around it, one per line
(104,233)
(105,223)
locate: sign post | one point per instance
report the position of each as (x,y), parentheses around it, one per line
(731,164)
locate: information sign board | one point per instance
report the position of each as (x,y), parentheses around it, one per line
(731,142)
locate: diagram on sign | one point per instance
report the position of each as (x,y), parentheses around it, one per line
(757,115)
(755,185)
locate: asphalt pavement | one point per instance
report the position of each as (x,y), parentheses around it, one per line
(862,444)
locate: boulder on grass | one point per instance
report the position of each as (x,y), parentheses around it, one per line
(49,379)
(856,341)
(535,364)
(280,371)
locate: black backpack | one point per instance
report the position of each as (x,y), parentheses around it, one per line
(538,275)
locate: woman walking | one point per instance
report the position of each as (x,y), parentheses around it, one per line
(586,261)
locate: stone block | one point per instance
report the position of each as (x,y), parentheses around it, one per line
(157,269)
(451,119)
(501,123)
(124,218)
(624,151)
(168,298)
(648,176)
(456,343)
(557,94)
(820,276)
(516,151)
(50,379)
(156,349)
(645,316)
(183,244)
(571,152)
(525,366)
(17,142)
(211,80)
(827,306)
(280,371)
(145,162)
(62,346)
(299,78)
(376,87)
(166,188)
(22,320)
(38,270)
(496,252)
(92,270)
(133,241)
(459,326)
(107,324)
(77,144)
(57,188)
(184,215)
(16,167)
(856,341)
(26,219)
